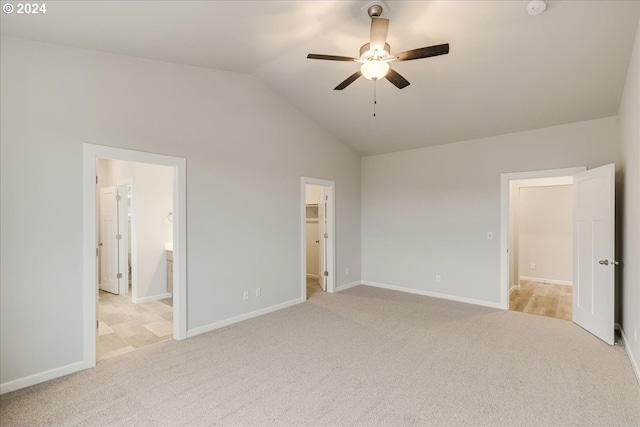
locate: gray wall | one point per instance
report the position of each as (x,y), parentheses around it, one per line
(246,149)
(545,233)
(629,118)
(426,212)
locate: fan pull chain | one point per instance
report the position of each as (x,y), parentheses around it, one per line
(375,100)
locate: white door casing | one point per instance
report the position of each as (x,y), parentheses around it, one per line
(108,246)
(91,152)
(593,251)
(505,180)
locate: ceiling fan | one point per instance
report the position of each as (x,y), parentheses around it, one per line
(375,56)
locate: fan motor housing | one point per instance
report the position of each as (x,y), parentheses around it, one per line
(366,54)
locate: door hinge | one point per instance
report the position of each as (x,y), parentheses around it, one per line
(97,325)
(96,251)
(326,235)
(326,274)
(119,276)
(118,236)
(96,179)
(118,198)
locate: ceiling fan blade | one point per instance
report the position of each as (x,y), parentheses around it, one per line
(330,57)
(423,52)
(352,78)
(397,80)
(379,29)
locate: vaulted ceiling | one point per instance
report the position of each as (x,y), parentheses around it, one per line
(506,71)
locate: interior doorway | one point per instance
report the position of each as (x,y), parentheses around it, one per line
(316,243)
(541,246)
(135,251)
(318,247)
(593,253)
(175,216)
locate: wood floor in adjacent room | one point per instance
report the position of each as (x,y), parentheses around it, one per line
(124,326)
(313,287)
(544,299)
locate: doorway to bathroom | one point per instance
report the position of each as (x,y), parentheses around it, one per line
(134,240)
(135,252)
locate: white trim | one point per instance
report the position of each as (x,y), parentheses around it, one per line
(330,191)
(634,363)
(312,276)
(226,322)
(90,152)
(546,281)
(151,298)
(504,220)
(347,286)
(42,377)
(433,294)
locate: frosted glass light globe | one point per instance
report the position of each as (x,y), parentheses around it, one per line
(374,69)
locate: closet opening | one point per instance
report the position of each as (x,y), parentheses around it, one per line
(317,237)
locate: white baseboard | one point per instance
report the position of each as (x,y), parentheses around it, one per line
(634,363)
(42,377)
(313,276)
(346,286)
(543,280)
(226,322)
(151,298)
(434,294)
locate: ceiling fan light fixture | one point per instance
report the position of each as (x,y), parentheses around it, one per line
(374,69)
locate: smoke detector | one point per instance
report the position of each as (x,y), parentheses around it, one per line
(536,7)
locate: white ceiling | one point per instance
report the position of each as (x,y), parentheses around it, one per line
(506,71)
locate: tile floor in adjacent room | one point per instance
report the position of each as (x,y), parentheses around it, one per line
(545,299)
(124,326)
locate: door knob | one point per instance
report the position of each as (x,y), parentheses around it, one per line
(100,244)
(604,262)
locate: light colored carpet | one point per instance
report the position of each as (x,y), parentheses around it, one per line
(361,357)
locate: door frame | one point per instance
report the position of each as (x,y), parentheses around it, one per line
(330,213)
(505,179)
(90,153)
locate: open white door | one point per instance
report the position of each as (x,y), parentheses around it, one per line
(108,240)
(322,223)
(593,251)
(123,199)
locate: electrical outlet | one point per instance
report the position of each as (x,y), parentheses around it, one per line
(532,266)
(246,295)
(438,278)
(346,271)
(258,292)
